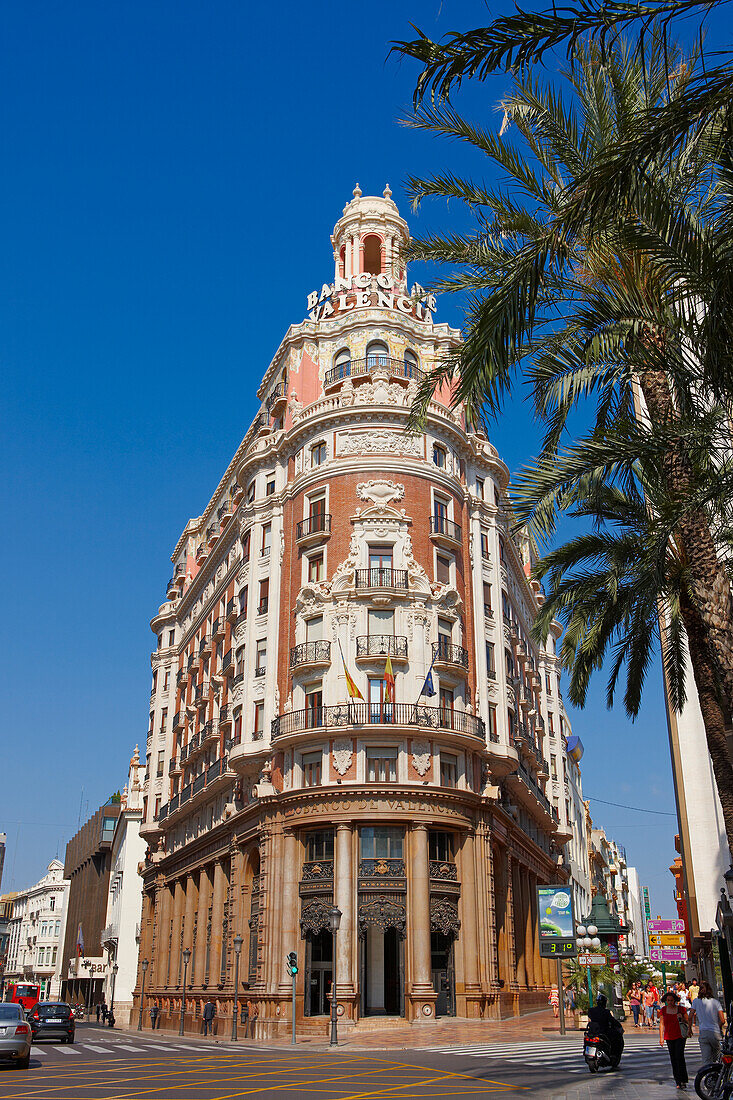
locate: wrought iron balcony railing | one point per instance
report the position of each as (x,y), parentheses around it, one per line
(380,578)
(448,654)
(441,525)
(317,524)
(355,368)
(368,714)
(381,645)
(310,653)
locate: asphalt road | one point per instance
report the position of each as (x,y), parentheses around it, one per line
(116,1065)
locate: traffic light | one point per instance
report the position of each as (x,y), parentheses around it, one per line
(292,963)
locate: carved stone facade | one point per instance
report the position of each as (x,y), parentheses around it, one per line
(302,769)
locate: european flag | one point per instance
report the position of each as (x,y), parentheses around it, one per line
(428,687)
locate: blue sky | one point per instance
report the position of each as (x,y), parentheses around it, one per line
(171,175)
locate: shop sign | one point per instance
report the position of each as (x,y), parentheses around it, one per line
(353,292)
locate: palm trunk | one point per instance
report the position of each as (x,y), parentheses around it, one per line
(709,586)
(713,714)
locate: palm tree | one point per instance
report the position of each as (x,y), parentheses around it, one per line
(628,315)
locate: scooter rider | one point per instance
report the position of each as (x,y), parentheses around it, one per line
(604,1023)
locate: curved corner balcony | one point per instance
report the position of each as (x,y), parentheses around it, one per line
(277,399)
(450,656)
(313,528)
(445,532)
(349,715)
(357,368)
(377,646)
(310,655)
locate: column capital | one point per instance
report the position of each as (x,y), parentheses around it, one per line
(419,827)
(344,827)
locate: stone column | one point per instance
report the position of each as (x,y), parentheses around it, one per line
(217,919)
(199,968)
(290,933)
(469,934)
(179,901)
(423,995)
(528,937)
(190,911)
(519,924)
(343,895)
(162,921)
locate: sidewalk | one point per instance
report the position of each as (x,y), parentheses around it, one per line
(534,1027)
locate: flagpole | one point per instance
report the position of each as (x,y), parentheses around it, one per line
(417,701)
(346,673)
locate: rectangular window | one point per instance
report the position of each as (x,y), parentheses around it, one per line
(493,732)
(440,847)
(319,845)
(318,454)
(312,769)
(243,601)
(259,720)
(314,629)
(261,665)
(380,557)
(448,770)
(551,720)
(381,842)
(439,455)
(157,807)
(381,765)
(501,551)
(163,719)
(548,684)
(487,600)
(167,680)
(264,596)
(553,765)
(446,707)
(317,512)
(53,956)
(250,492)
(238,728)
(314,707)
(246,539)
(440,514)
(270,488)
(442,568)
(315,568)
(57,931)
(490,660)
(155,682)
(266,540)
(485,545)
(380,622)
(510,723)
(161,763)
(171,637)
(480,488)
(379,710)
(53,906)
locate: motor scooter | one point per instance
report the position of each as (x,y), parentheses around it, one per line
(600,1049)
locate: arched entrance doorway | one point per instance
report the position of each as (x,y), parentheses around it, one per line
(444,928)
(382,956)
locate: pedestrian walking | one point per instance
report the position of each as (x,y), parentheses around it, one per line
(683,996)
(154,1011)
(648,1000)
(98,1011)
(104,1012)
(673,1030)
(569,997)
(634,999)
(208,1017)
(554,1000)
(710,1018)
(694,990)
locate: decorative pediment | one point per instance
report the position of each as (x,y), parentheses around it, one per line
(380,493)
(311,598)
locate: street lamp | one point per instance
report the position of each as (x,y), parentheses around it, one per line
(334,918)
(728,880)
(144,967)
(238,941)
(115,968)
(186,957)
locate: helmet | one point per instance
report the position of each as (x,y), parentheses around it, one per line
(602,1000)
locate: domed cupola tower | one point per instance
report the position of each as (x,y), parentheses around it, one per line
(370,237)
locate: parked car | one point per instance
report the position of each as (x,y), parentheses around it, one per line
(15,1036)
(53,1020)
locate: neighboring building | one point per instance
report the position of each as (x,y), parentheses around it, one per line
(637,938)
(121,934)
(677,870)
(568,797)
(88,864)
(6,913)
(598,859)
(36,932)
(3,840)
(270,793)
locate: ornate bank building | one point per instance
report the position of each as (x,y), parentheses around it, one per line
(347,706)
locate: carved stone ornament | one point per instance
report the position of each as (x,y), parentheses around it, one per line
(379,442)
(382,912)
(444,916)
(315,916)
(380,492)
(343,753)
(421,756)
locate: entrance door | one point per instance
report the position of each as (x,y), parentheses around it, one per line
(441,965)
(319,970)
(382,972)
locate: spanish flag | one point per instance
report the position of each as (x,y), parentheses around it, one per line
(389,681)
(351,687)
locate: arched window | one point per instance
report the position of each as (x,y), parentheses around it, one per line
(342,364)
(411,367)
(377,355)
(372,255)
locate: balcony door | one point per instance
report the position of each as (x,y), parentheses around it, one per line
(379,710)
(380,566)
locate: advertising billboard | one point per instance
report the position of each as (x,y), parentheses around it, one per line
(556,922)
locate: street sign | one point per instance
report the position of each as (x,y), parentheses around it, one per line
(647,907)
(665,925)
(667,939)
(556,922)
(668,954)
(592,960)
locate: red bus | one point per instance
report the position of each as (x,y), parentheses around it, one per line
(23,993)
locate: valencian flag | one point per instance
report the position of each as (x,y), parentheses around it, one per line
(389,681)
(79,942)
(351,687)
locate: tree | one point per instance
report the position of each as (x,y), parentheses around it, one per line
(628,314)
